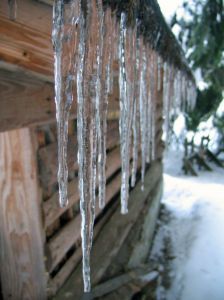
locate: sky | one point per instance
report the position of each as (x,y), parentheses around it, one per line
(168,7)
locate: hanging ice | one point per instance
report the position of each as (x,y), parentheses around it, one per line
(87,39)
(104,87)
(126,107)
(148,107)
(135,123)
(88,123)
(64,37)
(143,113)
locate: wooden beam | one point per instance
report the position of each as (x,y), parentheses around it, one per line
(24,101)
(21,256)
(30,13)
(25,44)
(27,48)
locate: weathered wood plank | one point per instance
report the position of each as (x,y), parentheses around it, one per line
(21,256)
(24,101)
(26,47)
(118,228)
(119,281)
(30,13)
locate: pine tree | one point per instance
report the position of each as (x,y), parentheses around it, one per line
(202,37)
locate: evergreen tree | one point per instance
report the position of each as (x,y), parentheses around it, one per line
(202,37)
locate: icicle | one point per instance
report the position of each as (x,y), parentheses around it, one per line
(155,90)
(143,113)
(126,109)
(159,81)
(12,9)
(166,99)
(87,85)
(135,129)
(105,77)
(148,106)
(152,96)
(64,36)
(123,112)
(136,116)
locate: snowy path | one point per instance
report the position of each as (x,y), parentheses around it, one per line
(196,232)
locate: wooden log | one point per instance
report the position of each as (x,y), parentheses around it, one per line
(21,257)
(27,48)
(118,228)
(24,101)
(40,19)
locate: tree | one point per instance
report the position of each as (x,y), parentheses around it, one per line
(202,37)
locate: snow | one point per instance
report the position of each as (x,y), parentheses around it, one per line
(194,228)
(168,8)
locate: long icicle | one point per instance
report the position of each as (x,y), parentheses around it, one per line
(64,37)
(148,107)
(105,76)
(87,80)
(143,113)
(135,124)
(126,107)
(154,75)
(123,111)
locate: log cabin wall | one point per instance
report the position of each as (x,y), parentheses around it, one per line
(40,242)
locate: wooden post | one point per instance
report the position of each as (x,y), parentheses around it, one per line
(21,245)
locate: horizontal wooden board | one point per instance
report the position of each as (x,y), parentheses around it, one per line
(24,101)
(30,13)
(27,48)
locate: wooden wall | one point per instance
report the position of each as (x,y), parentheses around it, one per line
(40,242)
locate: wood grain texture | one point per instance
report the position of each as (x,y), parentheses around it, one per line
(30,13)
(26,47)
(21,257)
(24,101)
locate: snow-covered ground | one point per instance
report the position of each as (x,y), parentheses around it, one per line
(194,229)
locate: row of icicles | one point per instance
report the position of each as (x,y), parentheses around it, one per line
(87,40)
